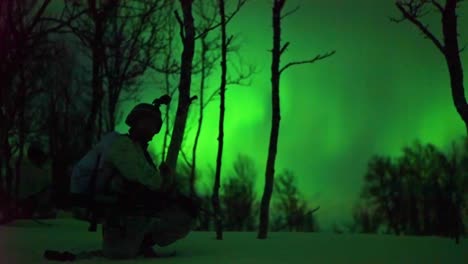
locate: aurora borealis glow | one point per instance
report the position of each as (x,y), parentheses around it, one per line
(385,87)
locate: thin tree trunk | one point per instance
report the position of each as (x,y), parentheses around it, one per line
(166,132)
(7,80)
(452,56)
(217,181)
(98,92)
(2,177)
(114,85)
(3,134)
(8,176)
(200,116)
(22,133)
(168,87)
(53,129)
(5,150)
(184,84)
(9,170)
(112,105)
(100,121)
(7,120)
(167,112)
(272,150)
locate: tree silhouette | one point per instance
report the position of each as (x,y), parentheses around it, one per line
(419,193)
(365,221)
(133,40)
(293,211)
(276,71)
(413,11)
(238,197)
(207,62)
(122,41)
(205,219)
(26,31)
(456,187)
(222,92)
(59,113)
(90,30)
(187,35)
(384,190)
(169,68)
(225,43)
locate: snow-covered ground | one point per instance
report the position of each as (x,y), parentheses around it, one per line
(25,241)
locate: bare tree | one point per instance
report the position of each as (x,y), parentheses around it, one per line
(98,15)
(132,42)
(169,68)
(56,120)
(456,186)
(383,186)
(217,181)
(20,30)
(239,196)
(225,43)
(207,61)
(204,50)
(276,71)
(420,194)
(25,32)
(364,220)
(209,55)
(292,208)
(90,30)
(123,40)
(187,34)
(413,11)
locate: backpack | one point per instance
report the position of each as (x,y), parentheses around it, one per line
(87,190)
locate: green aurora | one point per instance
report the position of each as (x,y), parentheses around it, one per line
(384,88)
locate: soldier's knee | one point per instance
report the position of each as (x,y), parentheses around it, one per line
(118,246)
(169,238)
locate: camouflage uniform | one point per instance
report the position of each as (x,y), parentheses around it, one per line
(131,173)
(34,190)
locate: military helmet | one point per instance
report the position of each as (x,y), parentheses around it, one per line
(147,110)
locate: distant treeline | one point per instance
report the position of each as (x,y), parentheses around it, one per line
(422,192)
(240,204)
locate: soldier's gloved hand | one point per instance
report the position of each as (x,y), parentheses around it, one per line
(165,169)
(168,177)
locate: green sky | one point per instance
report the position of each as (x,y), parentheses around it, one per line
(385,87)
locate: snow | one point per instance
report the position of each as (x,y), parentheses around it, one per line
(25,241)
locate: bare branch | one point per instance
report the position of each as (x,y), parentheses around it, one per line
(185,158)
(438,5)
(283,49)
(240,3)
(306,214)
(229,40)
(314,210)
(64,23)
(211,97)
(412,14)
(397,20)
(290,12)
(463,49)
(242,76)
(181,24)
(238,81)
(39,15)
(317,58)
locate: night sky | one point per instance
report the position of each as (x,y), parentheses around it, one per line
(385,87)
